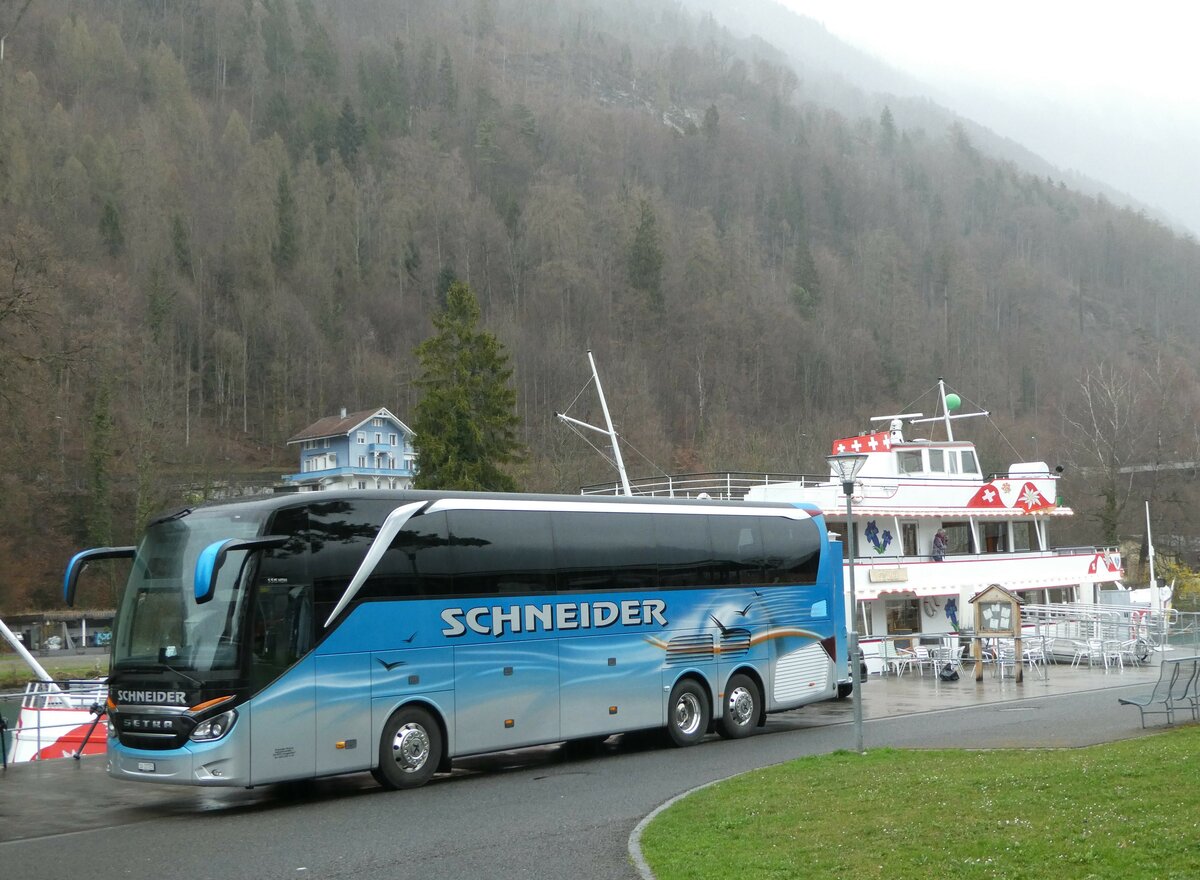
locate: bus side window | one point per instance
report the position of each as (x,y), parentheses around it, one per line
(792,550)
(737,545)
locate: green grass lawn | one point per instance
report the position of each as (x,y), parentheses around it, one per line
(1126,811)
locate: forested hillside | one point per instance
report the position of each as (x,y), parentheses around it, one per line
(220,221)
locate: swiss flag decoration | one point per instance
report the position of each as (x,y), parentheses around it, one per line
(1031,499)
(988,496)
(881,442)
(1102,560)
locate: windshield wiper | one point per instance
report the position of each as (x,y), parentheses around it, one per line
(182,674)
(179,514)
(155,667)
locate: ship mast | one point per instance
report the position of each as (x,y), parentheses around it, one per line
(610,431)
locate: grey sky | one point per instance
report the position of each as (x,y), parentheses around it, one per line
(1107,89)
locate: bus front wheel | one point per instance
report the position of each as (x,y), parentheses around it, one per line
(742,707)
(410,749)
(687,713)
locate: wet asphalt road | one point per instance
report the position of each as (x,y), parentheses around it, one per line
(531,814)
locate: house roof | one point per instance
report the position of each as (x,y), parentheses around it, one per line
(340,426)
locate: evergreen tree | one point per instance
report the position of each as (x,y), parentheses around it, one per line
(285,215)
(110,229)
(350,133)
(646,256)
(466,422)
(887,132)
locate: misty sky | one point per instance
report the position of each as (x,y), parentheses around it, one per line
(1126,75)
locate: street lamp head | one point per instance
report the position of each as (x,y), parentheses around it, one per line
(845,466)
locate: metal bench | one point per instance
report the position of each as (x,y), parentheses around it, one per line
(1175,689)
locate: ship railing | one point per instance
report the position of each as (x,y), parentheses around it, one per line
(726,486)
(1080,621)
(45,696)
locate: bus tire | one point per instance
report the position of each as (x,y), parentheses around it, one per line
(687,713)
(743,705)
(410,749)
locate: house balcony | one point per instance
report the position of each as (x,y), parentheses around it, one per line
(381,447)
(330,473)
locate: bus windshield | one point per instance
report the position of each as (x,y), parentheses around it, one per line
(158,622)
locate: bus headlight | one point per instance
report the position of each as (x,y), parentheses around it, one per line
(215,727)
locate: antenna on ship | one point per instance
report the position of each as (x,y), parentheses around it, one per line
(950,402)
(611,432)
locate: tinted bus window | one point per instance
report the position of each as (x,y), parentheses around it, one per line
(605,551)
(792,550)
(418,562)
(340,533)
(685,557)
(738,548)
(502,551)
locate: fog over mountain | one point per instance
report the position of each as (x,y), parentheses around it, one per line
(1096,129)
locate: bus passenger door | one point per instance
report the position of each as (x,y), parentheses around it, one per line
(506,695)
(282,670)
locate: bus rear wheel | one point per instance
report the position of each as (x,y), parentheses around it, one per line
(410,749)
(687,713)
(742,707)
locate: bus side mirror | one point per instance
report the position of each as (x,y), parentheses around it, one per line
(208,564)
(80,561)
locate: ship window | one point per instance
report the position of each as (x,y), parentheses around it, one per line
(952,462)
(909,462)
(908,534)
(1024,536)
(969,464)
(903,616)
(958,538)
(995,537)
(937,461)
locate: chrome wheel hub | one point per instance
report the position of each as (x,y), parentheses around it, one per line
(687,714)
(740,706)
(410,747)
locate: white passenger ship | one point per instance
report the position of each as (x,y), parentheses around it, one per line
(997,527)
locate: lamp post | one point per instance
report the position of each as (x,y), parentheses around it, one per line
(845,466)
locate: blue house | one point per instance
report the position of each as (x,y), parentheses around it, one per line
(371,449)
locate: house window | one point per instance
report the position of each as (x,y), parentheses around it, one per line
(325,443)
(391,439)
(362,461)
(378,437)
(362,484)
(391,462)
(392,483)
(378,423)
(362,437)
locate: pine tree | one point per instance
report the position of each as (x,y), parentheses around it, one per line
(287,242)
(466,421)
(646,256)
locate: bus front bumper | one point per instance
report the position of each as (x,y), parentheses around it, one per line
(220,763)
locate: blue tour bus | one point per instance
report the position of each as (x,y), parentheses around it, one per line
(312,634)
